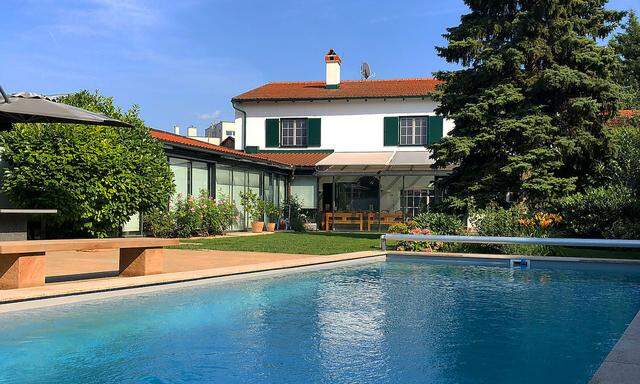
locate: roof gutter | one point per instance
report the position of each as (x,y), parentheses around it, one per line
(244,124)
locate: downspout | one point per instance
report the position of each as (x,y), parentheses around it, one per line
(244,124)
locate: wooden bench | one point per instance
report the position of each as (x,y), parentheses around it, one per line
(385,219)
(343,218)
(22,263)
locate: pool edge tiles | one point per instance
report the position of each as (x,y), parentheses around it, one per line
(123,286)
(622,364)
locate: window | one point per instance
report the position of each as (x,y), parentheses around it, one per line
(199,178)
(180,169)
(413,130)
(294,132)
(190,177)
(414,199)
(230,133)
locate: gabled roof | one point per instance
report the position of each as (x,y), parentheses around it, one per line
(297,159)
(223,151)
(349,89)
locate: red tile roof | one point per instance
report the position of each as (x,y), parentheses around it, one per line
(298,159)
(189,142)
(349,89)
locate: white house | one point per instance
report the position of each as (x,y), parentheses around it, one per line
(359,146)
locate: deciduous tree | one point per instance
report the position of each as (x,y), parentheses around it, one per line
(95,176)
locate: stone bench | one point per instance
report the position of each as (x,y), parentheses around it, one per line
(22,263)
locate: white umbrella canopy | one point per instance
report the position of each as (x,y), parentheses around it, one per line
(27,107)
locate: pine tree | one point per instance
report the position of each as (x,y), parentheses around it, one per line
(530,100)
(627,46)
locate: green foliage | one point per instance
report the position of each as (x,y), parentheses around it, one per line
(612,209)
(295,213)
(627,45)
(530,103)
(201,216)
(95,176)
(253,205)
(609,212)
(515,221)
(273,212)
(624,164)
(440,223)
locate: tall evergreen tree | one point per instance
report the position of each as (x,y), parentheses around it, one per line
(530,101)
(627,46)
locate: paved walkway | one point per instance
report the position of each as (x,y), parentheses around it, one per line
(92,271)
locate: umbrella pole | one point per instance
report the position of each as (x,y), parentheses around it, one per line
(4,95)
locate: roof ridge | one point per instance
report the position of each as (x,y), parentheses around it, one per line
(356,81)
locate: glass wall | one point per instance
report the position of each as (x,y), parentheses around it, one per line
(180,169)
(199,178)
(372,203)
(190,177)
(239,183)
(224,183)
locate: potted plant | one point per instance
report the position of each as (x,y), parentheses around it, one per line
(273,213)
(254,207)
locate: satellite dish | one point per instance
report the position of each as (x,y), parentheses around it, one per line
(365,71)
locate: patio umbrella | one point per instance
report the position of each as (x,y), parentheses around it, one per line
(27,107)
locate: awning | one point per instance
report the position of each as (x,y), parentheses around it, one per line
(377,163)
(356,158)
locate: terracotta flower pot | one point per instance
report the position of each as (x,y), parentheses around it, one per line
(271,227)
(257,226)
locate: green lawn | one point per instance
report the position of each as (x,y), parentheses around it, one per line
(323,243)
(317,243)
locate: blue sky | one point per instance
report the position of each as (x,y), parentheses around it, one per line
(183,60)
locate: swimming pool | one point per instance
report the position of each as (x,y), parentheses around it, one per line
(406,320)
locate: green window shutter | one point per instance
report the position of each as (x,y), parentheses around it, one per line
(435,129)
(314,132)
(272,133)
(390,131)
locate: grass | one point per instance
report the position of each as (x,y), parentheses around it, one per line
(316,243)
(323,243)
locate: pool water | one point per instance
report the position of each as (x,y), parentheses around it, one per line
(400,321)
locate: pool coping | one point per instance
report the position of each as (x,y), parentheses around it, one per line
(110,284)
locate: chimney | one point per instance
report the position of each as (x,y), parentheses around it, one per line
(176,129)
(333,70)
(192,131)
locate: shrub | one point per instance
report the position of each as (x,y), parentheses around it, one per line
(253,205)
(97,177)
(440,223)
(273,212)
(295,213)
(609,212)
(201,216)
(513,222)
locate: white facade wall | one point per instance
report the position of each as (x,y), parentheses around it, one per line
(347,126)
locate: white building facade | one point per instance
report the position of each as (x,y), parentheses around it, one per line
(368,140)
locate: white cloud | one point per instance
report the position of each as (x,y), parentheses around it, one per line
(210,116)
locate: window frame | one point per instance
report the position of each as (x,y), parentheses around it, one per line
(416,193)
(413,131)
(295,131)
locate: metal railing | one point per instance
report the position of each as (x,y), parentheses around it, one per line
(567,242)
